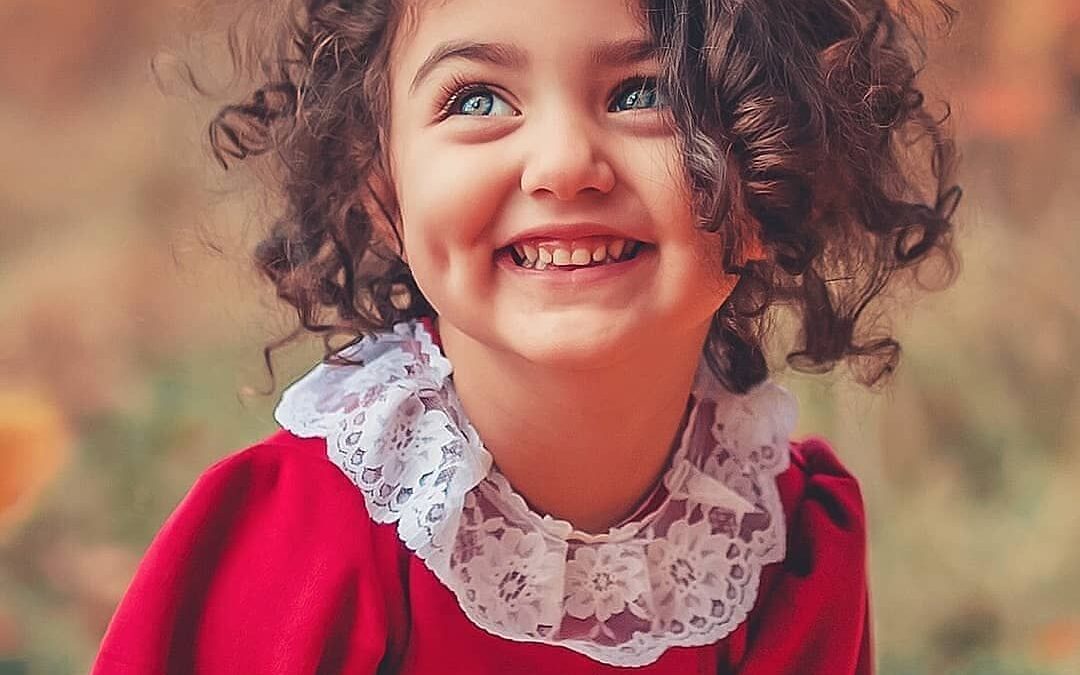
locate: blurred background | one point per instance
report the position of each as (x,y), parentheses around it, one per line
(131,327)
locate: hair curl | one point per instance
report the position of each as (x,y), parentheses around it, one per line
(800,122)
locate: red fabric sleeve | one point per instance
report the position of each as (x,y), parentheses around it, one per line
(267,566)
(812,617)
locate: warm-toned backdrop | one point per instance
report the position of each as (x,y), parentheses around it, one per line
(130,329)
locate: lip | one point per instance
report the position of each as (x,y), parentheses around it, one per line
(570,232)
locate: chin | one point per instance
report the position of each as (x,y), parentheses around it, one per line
(571,342)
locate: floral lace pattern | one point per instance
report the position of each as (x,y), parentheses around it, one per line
(685,574)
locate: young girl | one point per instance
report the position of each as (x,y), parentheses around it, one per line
(556,226)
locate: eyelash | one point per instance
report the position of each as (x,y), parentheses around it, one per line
(458,87)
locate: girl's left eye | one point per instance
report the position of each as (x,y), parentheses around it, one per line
(642,94)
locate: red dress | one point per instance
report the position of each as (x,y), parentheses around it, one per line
(272,565)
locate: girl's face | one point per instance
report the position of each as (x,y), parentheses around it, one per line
(543,203)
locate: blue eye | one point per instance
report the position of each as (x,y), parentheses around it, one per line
(643,94)
(479,103)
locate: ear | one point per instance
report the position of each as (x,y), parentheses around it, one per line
(378,198)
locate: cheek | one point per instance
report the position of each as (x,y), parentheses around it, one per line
(655,169)
(709,265)
(449,200)
(696,256)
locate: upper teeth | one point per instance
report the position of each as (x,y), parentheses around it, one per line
(570,254)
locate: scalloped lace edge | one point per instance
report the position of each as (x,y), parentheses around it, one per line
(396,428)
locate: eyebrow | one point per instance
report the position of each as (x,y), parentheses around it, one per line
(607,54)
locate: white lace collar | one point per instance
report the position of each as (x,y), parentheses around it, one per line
(686,574)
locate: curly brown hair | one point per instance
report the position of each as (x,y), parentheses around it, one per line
(805,116)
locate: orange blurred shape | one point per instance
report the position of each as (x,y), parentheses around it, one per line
(1059,641)
(1009,110)
(1071,10)
(57,49)
(35,442)
(11,636)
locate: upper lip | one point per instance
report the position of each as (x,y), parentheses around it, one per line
(569,232)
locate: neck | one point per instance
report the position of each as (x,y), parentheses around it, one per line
(582,445)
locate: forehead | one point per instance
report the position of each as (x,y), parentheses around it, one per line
(537,27)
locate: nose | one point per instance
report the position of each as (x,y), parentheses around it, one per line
(566,158)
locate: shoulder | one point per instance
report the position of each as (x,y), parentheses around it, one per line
(282,485)
(824,510)
(271,546)
(280,453)
(813,611)
(817,479)
(280,497)
(280,467)
(279,500)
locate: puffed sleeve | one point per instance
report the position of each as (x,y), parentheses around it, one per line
(269,565)
(812,617)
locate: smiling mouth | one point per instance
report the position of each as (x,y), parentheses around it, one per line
(594,252)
